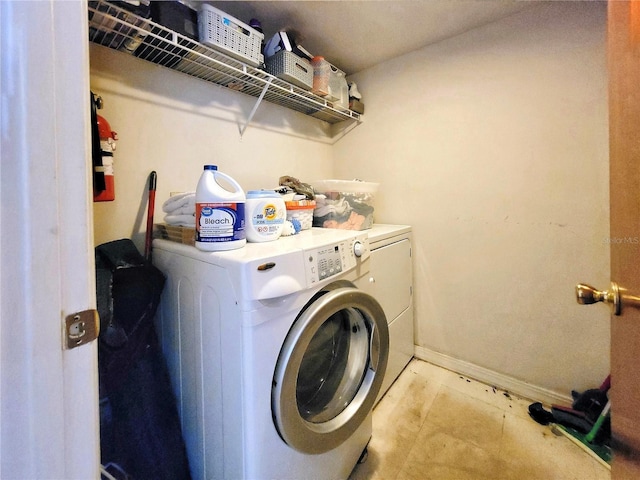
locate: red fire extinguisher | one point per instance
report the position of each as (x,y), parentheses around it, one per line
(107,146)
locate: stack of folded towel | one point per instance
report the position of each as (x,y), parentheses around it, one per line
(180,209)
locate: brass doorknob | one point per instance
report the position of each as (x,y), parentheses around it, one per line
(615,296)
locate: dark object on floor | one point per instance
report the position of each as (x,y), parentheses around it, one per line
(139,425)
(583,414)
(589,442)
(539,414)
(571,419)
(591,402)
(560,415)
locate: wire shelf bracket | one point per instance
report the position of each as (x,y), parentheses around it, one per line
(255,108)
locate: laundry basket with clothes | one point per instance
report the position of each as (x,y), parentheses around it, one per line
(344,204)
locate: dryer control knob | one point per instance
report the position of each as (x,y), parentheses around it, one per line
(358,249)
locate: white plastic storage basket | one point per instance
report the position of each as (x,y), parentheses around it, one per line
(288,66)
(301,210)
(229,35)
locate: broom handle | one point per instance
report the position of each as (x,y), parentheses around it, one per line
(589,437)
(150,210)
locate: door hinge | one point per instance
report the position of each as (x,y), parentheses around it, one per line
(81,327)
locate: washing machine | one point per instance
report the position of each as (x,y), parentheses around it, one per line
(275,355)
(390,281)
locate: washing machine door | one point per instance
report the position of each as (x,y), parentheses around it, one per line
(330,368)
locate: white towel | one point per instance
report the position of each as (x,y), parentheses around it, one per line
(181,220)
(186,210)
(187,199)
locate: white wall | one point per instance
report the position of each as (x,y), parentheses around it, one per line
(494,146)
(174,124)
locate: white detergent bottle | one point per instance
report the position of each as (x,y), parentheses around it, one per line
(266,213)
(219,212)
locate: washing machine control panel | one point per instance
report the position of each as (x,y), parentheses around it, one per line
(333,259)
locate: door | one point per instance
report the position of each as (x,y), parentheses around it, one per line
(330,368)
(624,120)
(48,394)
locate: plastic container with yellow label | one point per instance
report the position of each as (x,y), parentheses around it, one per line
(265,215)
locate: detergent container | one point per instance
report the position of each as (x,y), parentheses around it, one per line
(220,205)
(265,215)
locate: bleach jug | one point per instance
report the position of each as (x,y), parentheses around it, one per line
(219,212)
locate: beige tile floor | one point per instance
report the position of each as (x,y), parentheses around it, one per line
(437,424)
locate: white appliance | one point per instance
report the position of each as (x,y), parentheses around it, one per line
(275,357)
(390,281)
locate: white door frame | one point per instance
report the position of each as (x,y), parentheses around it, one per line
(49,414)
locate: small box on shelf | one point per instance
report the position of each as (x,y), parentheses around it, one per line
(356,105)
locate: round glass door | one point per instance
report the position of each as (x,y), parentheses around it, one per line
(330,368)
(333,366)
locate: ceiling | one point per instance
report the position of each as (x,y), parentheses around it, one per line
(355,35)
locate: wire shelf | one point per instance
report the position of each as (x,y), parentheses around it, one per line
(119,29)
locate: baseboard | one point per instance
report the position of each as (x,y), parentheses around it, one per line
(484,375)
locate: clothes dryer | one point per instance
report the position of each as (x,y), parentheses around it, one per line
(275,356)
(390,281)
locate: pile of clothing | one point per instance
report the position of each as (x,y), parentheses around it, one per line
(180,210)
(343,210)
